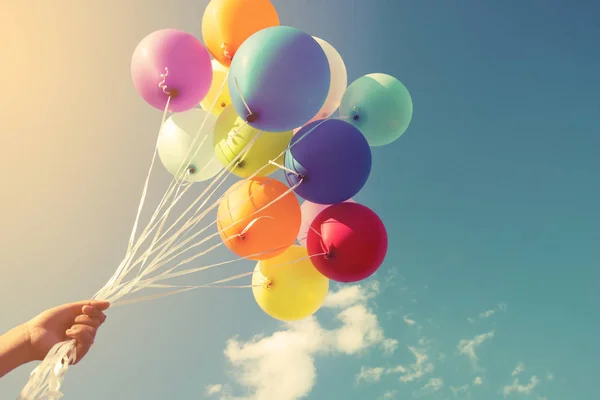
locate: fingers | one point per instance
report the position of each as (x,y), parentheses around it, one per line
(84,336)
(83,319)
(77,307)
(85,325)
(94,312)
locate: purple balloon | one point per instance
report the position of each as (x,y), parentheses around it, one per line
(171,62)
(309,213)
(332,158)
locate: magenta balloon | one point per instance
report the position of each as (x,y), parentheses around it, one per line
(309,213)
(188,70)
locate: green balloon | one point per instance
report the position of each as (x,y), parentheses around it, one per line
(231,135)
(380,106)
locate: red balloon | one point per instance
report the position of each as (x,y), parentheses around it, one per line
(353,237)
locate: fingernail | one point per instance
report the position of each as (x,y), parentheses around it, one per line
(69,331)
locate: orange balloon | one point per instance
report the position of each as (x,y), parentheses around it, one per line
(255,222)
(226,24)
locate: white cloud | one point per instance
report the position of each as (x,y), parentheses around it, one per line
(468,347)
(389,346)
(518,369)
(550,376)
(434,384)
(409,321)
(420,368)
(214,389)
(370,375)
(477,381)
(391,394)
(282,366)
(488,313)
(517,387)
(457,390)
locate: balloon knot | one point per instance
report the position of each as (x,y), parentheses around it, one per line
(355,113)
(191,169)
(241,164)
(172,93)
(329,255)
(163,85)
(226,52)
(267,284)
(223,105)
(250,118)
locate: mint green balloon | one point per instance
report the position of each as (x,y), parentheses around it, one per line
(380,106)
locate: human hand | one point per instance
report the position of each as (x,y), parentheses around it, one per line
(78,321)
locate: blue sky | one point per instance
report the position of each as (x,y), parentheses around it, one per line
(491,202)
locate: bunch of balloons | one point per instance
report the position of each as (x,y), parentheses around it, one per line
(266,102)
(255,98)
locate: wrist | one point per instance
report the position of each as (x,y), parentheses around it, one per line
(15,349)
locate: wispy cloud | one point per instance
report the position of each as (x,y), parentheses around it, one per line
(390,394)
(518,369)
(550,376)
(370,375)
(282,366)
(408,320)
(517,387)
(456,390)
(214,389)
(469,347)
(488,313)
(418,369)
(477,381)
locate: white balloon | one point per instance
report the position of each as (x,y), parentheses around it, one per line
(339,80)
(175,139)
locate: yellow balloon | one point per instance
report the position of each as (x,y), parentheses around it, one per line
(288,287)
(232,135)
(217,96)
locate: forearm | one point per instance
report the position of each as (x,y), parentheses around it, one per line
(14,349)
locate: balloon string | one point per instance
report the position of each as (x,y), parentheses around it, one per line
(291,171)
(315,231)
(128,253)
(237,85)
(178,178)
(208,285)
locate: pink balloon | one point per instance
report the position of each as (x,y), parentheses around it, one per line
(354,239)
(309,213)
(174,62)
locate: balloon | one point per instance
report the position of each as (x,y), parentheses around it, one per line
(218,95)
(257,219)
(172,63)
(175,139)
(283,76)
(227,24)
(354,238)
(333,159)
(232,135)
(380,106)
(338,83)
(309,212)
(288,287)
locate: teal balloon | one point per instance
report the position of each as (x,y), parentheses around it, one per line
(380,106)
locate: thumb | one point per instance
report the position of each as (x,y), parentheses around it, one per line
(77,307)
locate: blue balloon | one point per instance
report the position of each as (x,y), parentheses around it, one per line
(333,160)
(283,76)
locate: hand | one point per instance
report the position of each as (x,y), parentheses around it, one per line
(78,321)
